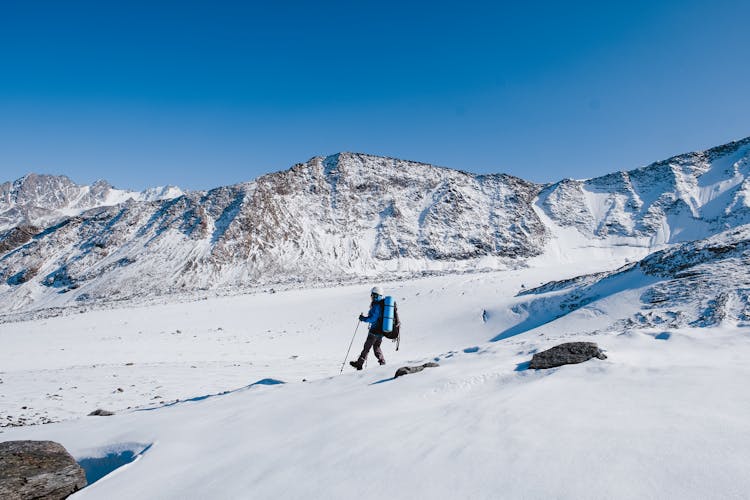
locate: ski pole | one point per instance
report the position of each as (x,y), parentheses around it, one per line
(350,348)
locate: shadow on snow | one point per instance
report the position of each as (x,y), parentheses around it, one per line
(265,381)
(98,467)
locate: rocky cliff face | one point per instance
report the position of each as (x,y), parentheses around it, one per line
(340,217)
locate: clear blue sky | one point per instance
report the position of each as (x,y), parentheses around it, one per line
(202,94)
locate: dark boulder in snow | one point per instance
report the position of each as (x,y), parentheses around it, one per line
(100,413)
(38,469)
(405,370)
(569,353)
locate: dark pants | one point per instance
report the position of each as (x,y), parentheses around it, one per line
(373,341)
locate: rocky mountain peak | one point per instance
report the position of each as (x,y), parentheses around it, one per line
(43,199)
(342,217)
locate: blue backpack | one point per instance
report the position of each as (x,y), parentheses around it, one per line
(389,324)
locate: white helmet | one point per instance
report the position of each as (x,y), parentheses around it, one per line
(376,290)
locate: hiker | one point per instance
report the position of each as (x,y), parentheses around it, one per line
(374,335)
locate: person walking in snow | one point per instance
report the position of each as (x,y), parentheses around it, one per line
(374,335)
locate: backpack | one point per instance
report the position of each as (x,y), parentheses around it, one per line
(395,333)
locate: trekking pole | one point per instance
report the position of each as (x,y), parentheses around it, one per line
(350,348)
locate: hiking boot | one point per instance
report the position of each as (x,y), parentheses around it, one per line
(356,364)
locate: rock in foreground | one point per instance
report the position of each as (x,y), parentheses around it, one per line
(569,353)
(405,370)
(41,470)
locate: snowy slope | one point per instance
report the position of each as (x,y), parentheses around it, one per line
(662,417)
(472,428)
(683,198)
(230,339)
(195,383)
(695,284)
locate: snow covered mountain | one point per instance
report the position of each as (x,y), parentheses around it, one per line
(349,216)
(683,198)
(338,217)
(42,200)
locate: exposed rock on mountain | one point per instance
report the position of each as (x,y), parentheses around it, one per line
(341,217)
(16,237)
(700,283)
(680,199)
(331,218)
(45,199)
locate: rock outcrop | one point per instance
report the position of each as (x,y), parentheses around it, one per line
(41,470)
(569,353)
(100,413)
(406,370)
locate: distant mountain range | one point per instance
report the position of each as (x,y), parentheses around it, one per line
(40,200)
(342,217)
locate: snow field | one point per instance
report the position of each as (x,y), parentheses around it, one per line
(163,352)
(658,419)
(665,416)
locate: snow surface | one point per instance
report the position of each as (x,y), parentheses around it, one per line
(665,416)
(214,324)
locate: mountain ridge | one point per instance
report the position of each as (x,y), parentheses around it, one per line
(44,199)
(351,215)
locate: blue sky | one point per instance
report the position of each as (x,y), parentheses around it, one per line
(202,94)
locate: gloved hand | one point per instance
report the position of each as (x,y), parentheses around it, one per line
(362,317)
